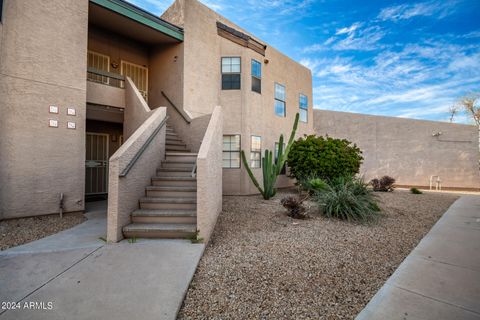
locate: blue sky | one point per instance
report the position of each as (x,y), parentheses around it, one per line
(410,59)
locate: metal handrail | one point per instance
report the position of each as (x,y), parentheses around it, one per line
(194,170)
(176,108)
(143,148)
(106,74)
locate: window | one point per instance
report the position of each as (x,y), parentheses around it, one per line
(231,151)
(284,168)
(280,100)
(231,73)
(1,9)
(303,108)
(256,152)
(256,76)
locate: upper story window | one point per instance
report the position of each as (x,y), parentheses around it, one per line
(1,9)
(231,151)
(256,76)
(256,152)
(303,108)
(280,100)
(231,73)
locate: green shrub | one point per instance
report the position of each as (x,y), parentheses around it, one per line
(325,158)
(347,199)
(312,184)
(415,191)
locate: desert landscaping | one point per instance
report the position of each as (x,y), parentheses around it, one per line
(261,264)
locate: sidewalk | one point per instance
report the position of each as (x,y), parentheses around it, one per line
(440,279)
(84,278)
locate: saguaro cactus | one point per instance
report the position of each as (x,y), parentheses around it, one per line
(271,168)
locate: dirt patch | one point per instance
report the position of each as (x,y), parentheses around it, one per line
(15,232)
(261,264)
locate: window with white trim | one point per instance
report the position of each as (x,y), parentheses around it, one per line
(303,102)
(256,152)
(280,100)
(231,71)
(256,76)
(231,151)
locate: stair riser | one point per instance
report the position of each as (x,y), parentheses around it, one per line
(174,173)
(175,141)
(171,194)
(176,148)
(167,220)
(181,158)
(168,165)
(156,205)
(174,183)
(158,234)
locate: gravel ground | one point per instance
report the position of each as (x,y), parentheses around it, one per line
(15,232)
(260,264)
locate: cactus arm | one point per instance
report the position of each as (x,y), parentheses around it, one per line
(250,173)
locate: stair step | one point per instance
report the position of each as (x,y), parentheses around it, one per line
(159,230)
(174,181)
(174,172)
(170,147)
(165,216)
(171,192)
(175,143)
(168,203)
(180,156)
(178,164)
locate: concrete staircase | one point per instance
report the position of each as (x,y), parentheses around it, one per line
(169,208)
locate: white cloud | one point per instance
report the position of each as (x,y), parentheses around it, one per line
(364,39)
(351,38)
(439,9)
(348,30)
(421,80)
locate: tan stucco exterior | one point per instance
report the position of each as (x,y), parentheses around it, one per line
(244,112)
(42,63)
(124,192)
(209,176)
(407,149)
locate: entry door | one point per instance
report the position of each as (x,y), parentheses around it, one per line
(96,163)
(139,76)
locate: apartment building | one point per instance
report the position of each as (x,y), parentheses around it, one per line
(99,97)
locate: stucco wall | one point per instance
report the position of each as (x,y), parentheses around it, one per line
(136,109)
(209,176)
(244,112)
(104,95)
(40,66)
(406,149)
(124,192)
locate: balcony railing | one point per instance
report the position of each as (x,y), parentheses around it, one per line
(110,79)
(105,77)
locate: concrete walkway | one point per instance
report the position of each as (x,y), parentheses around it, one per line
(440,279)
(84,278)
